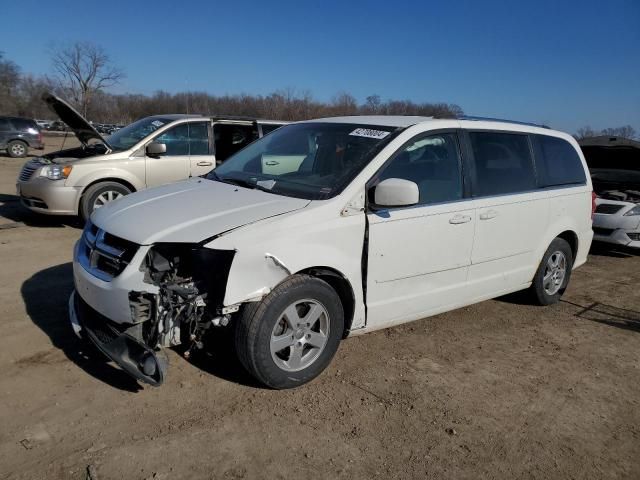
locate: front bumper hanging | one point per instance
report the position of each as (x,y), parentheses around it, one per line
(133,356)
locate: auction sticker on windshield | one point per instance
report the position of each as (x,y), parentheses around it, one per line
(369,133)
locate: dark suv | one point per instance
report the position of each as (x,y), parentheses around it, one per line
(17,135)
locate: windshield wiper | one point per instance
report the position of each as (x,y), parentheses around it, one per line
(241,183)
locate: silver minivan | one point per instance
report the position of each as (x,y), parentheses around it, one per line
(152,151)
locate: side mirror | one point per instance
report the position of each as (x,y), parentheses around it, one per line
(396,192)
(155,149)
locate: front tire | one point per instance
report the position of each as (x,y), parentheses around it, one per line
(552,277)
(99,195)
(17,149)
(290,337)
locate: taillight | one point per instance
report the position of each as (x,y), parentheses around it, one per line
(593,203)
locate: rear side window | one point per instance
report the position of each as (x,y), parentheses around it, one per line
(503,163)
(22,124)
(557,161)
(4,125)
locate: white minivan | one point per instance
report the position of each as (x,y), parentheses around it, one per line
(329,228)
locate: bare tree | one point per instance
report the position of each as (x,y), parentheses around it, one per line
(627,131)
(585,132)
(372,104)
(83,69)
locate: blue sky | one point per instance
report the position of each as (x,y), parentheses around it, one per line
(565,63)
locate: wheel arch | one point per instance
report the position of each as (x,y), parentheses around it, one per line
(571,238)
(119,180)
(342,287)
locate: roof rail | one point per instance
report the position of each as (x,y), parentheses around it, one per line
(490,119)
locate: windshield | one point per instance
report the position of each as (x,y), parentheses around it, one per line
(128,136)
(307,160)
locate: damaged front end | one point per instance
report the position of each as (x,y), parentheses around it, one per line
(187,284)
(191,282)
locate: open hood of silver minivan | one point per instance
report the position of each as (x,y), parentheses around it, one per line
(76,122)
(189,211)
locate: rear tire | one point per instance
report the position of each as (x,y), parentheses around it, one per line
(17,149)
(100,194)
(290,337)
(553,274)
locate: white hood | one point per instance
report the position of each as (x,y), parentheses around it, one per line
(189,211)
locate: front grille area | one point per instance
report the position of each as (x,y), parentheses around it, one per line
(27,170)
(608,208)
(104,255)
(603,231)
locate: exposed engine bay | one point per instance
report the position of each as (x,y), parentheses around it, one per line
(191,282)
(75,153)
(614,164)
(632,196)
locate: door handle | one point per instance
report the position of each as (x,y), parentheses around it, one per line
(271,163)
(488,215)
(204,164)
(458,219)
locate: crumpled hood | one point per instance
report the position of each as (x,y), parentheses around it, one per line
(189,211)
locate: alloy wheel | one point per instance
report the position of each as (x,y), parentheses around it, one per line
(554,273)
(106,197)
(18,149)
(300,335)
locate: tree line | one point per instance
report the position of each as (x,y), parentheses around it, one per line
(626,131)
(82,73)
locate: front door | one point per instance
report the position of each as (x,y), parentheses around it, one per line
(173,165)
(201,157)
(419,256)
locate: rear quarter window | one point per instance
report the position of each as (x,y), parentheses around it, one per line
(268,128)
(557,162)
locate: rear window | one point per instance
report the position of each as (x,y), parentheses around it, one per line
(503,163)
(557,161)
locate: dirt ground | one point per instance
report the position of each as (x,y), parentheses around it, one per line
(496,390)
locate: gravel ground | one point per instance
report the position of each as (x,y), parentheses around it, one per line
(497,390)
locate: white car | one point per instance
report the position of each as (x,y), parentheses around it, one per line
(614,164)
(330,228)
(43,124)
